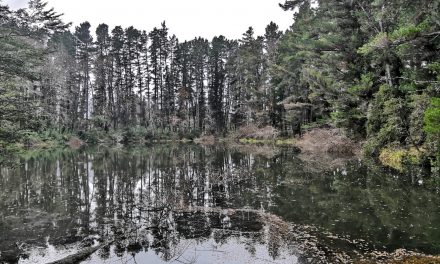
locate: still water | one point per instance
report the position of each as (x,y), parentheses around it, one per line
(210,204)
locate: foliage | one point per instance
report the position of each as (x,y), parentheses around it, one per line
(386,121)
(93,136)
(432,128)
(399,158)
(356,65)
(432,117)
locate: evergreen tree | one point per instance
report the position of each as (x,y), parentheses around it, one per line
(155,69)
(250,69)
(217,81)
(84,50)
(131,60)
(103,97)
(272,109)
(117,45)
(24,103)
(143,77)
(199,60)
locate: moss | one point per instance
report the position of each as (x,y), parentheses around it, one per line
(392,158)
(398,158)
(253,141)
(285,141)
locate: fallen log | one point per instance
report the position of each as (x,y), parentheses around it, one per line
(80,256)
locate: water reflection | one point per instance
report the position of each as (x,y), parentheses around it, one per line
(191,204)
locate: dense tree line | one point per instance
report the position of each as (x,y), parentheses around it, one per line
(370,67)
(132,78)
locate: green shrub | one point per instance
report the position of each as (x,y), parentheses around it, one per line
(191,134)
(432,117)
(92,136)
(399,159)
(432,128)
(386,121)
(135,134)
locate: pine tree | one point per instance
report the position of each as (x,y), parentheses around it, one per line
(272,109)
(199,57)
(131,60)
(103,91)
(24,103)
(117,45)
(155,69)
(233,95)
(84,49)
(217,81)
(250,70)
(143,77)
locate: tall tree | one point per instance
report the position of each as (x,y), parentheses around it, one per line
(103,98)
(131,62)
(217,81)
(199,60)
(250,69)
(84,50)
(272,109)
(117,45)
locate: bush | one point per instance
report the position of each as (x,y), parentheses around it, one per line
(8,131)
(251,131)
(398,159)
(116,136)
(100,121)
(191,134)
(135,134)
(92,136)
(29,138)
(386,121)
(432,128)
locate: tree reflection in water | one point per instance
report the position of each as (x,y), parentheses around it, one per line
(188,204)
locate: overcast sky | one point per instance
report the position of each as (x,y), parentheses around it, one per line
(185,18)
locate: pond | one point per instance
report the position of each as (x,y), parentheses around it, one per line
(171,203)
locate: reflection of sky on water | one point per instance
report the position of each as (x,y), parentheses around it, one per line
(69,195)
(237,250)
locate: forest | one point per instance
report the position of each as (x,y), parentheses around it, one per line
(319,143)
(370,68)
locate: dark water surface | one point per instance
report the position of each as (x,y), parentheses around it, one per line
(194,204)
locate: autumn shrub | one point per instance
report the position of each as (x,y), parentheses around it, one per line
(253,132)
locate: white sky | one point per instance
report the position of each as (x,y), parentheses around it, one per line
(185,18)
